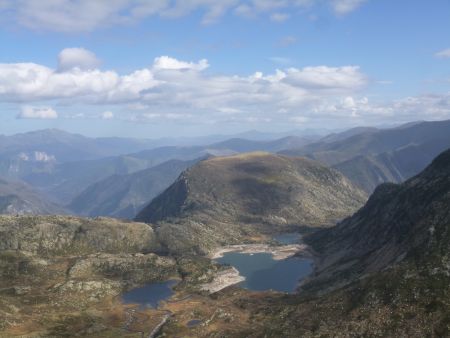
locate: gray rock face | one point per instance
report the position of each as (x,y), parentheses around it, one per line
(138,268)
(57,235)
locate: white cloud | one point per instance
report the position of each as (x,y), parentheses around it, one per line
(81,58)
(42,113)
(86,15)
(168,63)
(330,78)
(342,7)
(182,91)
(175,89)
(443,54)
(107,115)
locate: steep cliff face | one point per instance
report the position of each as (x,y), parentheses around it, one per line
(220,200)
(399,222)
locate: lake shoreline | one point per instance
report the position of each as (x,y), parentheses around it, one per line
(223,279)
(279,252)
(232,276)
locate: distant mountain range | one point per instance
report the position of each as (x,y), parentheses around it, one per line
(123,196)
(64,168)
(370,156)
(65,181)
(19,198)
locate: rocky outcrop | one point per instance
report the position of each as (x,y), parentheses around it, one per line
(59,235)
(53,265)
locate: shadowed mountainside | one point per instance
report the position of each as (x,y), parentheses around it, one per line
(123,196)
(222,200)
(371,156)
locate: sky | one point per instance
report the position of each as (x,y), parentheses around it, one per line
(165,68)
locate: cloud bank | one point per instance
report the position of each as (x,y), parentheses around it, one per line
(39,113)
(190,92)
(86,15)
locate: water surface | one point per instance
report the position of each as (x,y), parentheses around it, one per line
(149,295)
(262,272)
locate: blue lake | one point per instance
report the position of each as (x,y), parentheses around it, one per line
(262,272)
(149,295)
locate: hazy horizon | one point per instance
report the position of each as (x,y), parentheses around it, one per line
(161,69)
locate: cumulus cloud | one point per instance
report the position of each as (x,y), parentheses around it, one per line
(443,54)
(86,15)
(42,113)
(168,63)
(172,82)
(181,91)
(323,77)
(81,58)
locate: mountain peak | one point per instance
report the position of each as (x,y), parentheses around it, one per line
(224,199)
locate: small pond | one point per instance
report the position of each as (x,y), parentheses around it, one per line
(149,295)
(262,272)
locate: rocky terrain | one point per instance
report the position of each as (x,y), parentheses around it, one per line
(227,200)
(55,272)
(384,271)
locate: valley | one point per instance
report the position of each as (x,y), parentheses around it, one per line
(232,245)
(224,169)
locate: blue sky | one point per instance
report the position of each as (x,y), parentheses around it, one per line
(194,67)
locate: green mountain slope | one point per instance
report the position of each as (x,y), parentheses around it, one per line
(223,200)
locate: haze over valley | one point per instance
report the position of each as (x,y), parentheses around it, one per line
(257,168)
